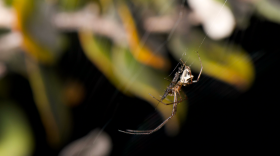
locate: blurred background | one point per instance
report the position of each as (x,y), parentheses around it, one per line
(74,72)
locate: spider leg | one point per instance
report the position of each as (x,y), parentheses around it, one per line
(161,101)
(129,130)
(174,69)
(195,81)
(181,97)
(183,62)
(168,100)
(137,132)
(167,79)
(146,132)
(169,103)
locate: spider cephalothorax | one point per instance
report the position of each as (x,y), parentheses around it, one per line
(186,76)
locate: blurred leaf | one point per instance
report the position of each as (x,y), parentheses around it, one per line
(72,5)
(224,2)
(232,66)
(8,2)
(105,4)
(140,52)
(48,95)
(40,39)
(269,9)
(15,134)
(69,4)
(98,52)
(97,142)
(157,7)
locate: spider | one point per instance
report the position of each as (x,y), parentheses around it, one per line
(172,90)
